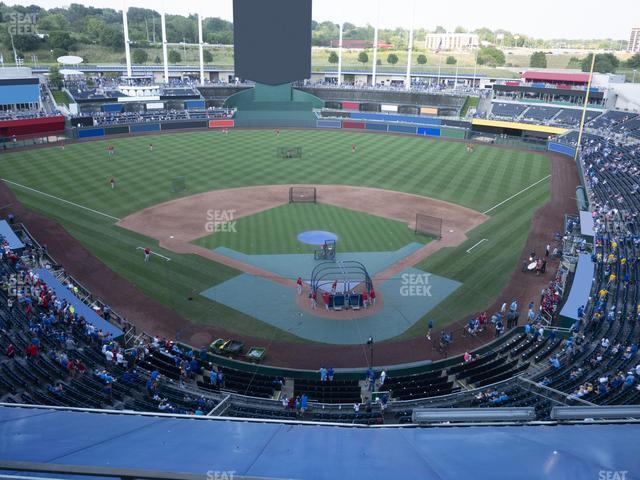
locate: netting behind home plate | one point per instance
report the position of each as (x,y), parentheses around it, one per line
(428,225)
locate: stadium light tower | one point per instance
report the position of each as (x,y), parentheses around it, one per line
(340,55)
(200,48)
(165,61)
(375,45)
(127,48)
(410,48)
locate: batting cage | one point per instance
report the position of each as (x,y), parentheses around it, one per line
(178,184)
(289,152)
(302,195)
(428,225)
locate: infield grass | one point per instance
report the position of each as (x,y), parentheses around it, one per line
(210,160)
(275,231)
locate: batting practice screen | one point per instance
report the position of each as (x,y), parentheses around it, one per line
(428,225)
(302,195)
(272,40)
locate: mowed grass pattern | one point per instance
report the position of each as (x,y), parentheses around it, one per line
(210,160)
(275,231)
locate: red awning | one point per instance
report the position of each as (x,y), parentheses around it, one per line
(556,77)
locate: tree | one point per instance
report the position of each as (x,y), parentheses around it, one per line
(440,29)
(392,58)
(140,56)
(605,63)
(174,56)
(491,56)
(333,57)
(538,60)
(451,60)
(460,29)
(55,78)
(207,56)
(363,57)
(634,61)
(422,59)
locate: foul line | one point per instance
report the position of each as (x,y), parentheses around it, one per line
(154,253)
(515,195)
(483,240)
(62,200)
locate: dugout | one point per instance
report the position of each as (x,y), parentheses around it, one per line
(515,129)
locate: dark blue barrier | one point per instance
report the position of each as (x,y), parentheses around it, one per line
(145,127)
(560,148)
(193,104)
(381,127)
(91,132)
(112,107)
(434,132)
(389,117)
(402,129)
(327,123)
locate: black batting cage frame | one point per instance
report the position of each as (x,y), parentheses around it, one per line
(302,194)
(289,152)
(428,225)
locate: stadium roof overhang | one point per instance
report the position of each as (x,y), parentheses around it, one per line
(519,126)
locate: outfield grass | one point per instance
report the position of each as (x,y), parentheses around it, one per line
(275,231)
(209,160)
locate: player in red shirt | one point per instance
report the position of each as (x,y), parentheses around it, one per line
(299,285)
(372,295)
(110,150)
(313,298)
(147,254)
(325,300)
(365,299)
(334,287)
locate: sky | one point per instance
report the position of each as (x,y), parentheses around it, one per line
(540,18)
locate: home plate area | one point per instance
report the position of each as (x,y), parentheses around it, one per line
(406,297)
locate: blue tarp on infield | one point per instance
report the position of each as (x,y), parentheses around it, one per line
(81,308)
(276,450)
(405,302)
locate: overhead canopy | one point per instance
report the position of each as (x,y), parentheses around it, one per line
(586,224)
(580,289)
(276,450)
(81,308)
(519,126)
(543,76)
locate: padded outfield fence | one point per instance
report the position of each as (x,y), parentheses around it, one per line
(302,195)
(428,225)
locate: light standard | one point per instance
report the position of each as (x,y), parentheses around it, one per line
(634,76)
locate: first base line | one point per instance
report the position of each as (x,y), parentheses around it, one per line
(156,254)
(483,240)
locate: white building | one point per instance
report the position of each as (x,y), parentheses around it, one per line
(634,40)
(451,41)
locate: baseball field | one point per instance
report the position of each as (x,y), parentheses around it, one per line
(72,186)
